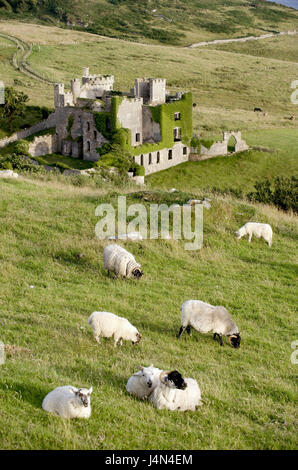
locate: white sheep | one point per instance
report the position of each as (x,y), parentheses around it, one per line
(143,382)
(204,317)
(108,324)
(175,393)
(120,261)
(256,229)
(68,402)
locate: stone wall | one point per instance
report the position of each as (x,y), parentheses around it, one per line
(40,126)
(220,147)
(159,160)
(130,117)
(43,145)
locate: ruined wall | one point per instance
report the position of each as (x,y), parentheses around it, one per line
(151,129)
(43,145)
(40,126)
(220,148)
(180,154)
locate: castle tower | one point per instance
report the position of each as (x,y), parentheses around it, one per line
(157,90)
(75,85)
(86,72)
(58,90)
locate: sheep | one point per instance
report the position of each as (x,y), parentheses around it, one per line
(69,402)
(120,261)
(257,229)
(143,382)
(108,324)
(204,317)
(175,393)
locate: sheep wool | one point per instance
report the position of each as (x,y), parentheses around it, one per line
(204,318)
(258,230)
(68,402)
(109,325)
(121,262)
(142,383)
(167,396)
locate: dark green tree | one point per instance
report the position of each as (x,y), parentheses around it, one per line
(14,105)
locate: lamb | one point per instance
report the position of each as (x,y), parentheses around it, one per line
(143,382)
(68,402)
(107,324)
(204,317)
(120,261)
(257,229)
(175,393)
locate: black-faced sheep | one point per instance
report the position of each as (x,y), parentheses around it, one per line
(204,317)
(121,262)
(175,393)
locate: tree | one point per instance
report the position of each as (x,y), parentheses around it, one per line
(14,105)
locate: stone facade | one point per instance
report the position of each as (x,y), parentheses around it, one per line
(163,159)
(43,145)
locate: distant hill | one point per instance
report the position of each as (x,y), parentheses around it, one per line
(166,21)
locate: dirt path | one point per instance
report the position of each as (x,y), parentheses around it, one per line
(19,59)
(245,39)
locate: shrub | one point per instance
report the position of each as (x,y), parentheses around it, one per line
(283,193)
(21,147)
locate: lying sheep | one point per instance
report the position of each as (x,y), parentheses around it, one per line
(204,317)
(175,393)
(120,261)
(143,382)
(68,402)
(257,229)
(107,324)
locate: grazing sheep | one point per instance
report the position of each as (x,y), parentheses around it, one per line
(175,393)
(257,229)
(107,324)
(258,110)
(204,317)
(68,402)
(120,261)
(143,382)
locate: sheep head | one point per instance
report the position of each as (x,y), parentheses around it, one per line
(138,338)
(173,379)
(83,394)
(137,273)
(234,340)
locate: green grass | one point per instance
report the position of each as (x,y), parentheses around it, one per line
(239,171)
(48,241)
(162,21)
(71,162)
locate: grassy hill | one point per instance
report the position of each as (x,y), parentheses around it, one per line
(166,21)
(48,241)
(226,85)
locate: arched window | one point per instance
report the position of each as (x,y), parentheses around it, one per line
(158,157)
(95,135)
(88,126)
(88,146)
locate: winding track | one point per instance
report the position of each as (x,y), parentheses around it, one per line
(19,59)
(247,38)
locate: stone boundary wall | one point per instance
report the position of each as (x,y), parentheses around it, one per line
(40,126)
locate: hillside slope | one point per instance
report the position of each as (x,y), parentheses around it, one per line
(48,242)
(178,22)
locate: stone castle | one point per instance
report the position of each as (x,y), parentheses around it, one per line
(153,120)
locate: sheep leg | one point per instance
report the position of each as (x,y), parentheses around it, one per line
(214,336)
(96,337)
(249,238)
(180,331)
(220,340)
(188,330)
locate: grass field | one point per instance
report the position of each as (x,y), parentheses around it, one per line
(226,85)
(47,240)
(248,394)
